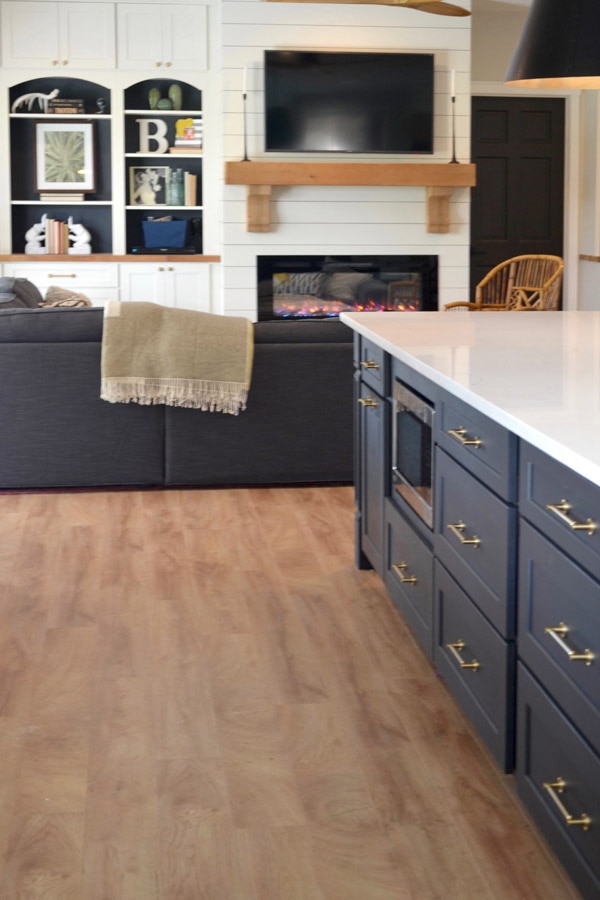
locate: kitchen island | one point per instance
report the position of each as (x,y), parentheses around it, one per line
(502,584)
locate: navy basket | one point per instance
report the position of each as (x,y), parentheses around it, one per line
(165,234)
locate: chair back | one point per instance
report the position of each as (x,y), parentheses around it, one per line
(529,282)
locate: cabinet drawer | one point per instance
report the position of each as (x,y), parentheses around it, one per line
(373,364)
(551,751)
(479,669)
(75,276)
(475,537)
(408,575)
(545,482)
(492,457)
(554,591)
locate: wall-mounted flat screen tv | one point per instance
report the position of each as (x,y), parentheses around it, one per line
(348,102)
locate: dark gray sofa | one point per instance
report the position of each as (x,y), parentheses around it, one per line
(56,432)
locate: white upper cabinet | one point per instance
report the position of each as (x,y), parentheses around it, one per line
(161,37)
(59,35)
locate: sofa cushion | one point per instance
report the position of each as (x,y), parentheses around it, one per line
(18,293)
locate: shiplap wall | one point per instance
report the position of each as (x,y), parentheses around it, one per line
(339,220)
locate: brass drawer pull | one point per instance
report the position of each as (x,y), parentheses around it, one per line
(52,275)
(399,570)
(562,509)
(559,633)
(457,529)
(369,364)
(557,787)
(367,401)
(461,436)
(456,649)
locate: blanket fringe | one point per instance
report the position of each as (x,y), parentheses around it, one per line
(211,396)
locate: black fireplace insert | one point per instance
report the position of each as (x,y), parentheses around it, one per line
(303,286)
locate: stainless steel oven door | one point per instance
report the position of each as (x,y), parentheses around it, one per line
(412,450)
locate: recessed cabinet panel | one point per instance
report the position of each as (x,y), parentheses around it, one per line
(558,779)
(372,430)
(477,664)
(475,537)
(58,35)
(408,575)
(559,628)
(169,36)
(562,504)
(485,448)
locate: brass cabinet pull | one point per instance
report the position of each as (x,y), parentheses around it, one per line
(457,529)
(461,436)
(559,633)
(369,364)
(557,787)
(54,275)
(367,401)
(456,649)
(399,570)
(562,511)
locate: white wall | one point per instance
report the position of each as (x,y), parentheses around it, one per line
(339,219)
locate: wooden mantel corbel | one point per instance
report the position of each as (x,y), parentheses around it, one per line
(439,179)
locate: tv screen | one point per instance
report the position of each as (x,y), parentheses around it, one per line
(348,102)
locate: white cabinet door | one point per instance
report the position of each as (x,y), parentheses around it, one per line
(180,285)
(87,33)
(58,35)
(161,37)
(30,35)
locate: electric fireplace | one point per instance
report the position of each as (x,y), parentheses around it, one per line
(299,287)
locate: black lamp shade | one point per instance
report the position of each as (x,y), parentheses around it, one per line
(559,46)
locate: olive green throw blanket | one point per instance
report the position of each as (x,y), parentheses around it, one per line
(154,354)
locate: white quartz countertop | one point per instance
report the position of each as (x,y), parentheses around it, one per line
(538,374)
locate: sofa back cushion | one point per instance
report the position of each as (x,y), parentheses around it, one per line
(18,293)
(51,325)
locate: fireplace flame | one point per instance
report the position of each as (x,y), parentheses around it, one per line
(311,307)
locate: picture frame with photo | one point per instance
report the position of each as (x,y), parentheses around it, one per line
(64,156)
(148,185)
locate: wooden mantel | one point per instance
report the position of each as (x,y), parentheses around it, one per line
(439,179)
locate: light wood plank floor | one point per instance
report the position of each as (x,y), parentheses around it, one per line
(202,699)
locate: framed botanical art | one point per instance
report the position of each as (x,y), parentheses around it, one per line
(148,185)
(64,156)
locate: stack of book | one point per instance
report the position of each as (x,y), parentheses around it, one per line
(65,107)
(57,236)
(188,136)
(61,197)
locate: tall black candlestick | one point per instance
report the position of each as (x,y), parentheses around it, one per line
(454,159)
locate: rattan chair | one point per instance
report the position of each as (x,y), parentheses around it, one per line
(530,282)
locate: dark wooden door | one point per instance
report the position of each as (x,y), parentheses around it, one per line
(517,144)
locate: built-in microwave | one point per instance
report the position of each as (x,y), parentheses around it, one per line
(412,450)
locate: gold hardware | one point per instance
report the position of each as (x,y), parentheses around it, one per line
(561,509)
(161,268)
(457,528)
(456,649)
(557,787)
(65,62)
(51,275)
(367,401)
(399,569)
(157,64)
(54,62)
(559,633)
(460,435)
(167,65)
(170,269)
(369,364)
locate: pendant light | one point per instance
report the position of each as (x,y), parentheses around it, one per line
(559,46)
